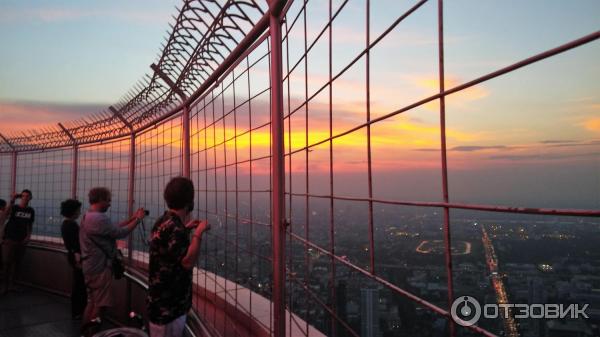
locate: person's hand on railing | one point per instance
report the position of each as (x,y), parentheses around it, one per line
(199,225)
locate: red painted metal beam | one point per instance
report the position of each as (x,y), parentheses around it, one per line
(277,170)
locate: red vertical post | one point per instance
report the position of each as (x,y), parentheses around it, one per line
(186,119)
(186,141)
(447,234)
(130,204)
(130,192)
(13,173)
(277,170)
(74,164)
(74,169)
(131,176)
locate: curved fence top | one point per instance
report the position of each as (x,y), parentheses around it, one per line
(203,35)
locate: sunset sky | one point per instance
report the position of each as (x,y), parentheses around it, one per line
(538,126)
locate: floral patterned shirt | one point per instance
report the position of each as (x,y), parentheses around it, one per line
(170,284)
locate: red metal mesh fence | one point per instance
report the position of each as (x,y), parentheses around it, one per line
(395,202)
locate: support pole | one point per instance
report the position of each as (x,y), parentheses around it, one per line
(130,194)
(277,171)
(74,164)
(121,118)
(130,205)
(186,141)
(13,174)
(447,230)
(74,170)
(131,177)
(185,123)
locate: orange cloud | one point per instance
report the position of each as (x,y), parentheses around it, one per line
(592,124)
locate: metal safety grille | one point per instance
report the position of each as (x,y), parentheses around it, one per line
(359,169)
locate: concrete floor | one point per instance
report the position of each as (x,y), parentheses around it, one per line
(33,313)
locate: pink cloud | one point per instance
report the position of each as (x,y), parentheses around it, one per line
(23,116)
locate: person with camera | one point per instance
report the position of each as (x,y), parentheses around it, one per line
(173,256)
(97,238)
(17,234)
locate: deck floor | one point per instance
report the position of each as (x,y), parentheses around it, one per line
(34,313)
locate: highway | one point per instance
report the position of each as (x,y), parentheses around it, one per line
(510,325)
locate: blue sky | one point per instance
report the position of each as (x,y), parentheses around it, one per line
(78,52)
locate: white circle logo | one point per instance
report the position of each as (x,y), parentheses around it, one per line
(465,310)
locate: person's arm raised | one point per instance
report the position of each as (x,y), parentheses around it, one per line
(130,224)
(189,260)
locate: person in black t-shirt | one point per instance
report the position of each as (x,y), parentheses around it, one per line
(71,210)
(16,236)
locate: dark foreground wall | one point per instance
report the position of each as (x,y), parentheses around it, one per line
(45,266)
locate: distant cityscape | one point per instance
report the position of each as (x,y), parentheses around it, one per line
(497,257)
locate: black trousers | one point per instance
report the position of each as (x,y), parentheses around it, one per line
(78,293)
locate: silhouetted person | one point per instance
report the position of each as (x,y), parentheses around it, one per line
(97,237)
(3,216)
(71,210)
(173,255)
(17,234)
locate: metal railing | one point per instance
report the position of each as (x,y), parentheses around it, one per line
(245,100)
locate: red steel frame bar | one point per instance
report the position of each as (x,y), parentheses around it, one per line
(485,208)
(277,170)
(332,290)
(369,159)
(13,173)
(186,154)
(74,172)
(186,141)
(74,164)
(447,233)
(121,118)
(131,184)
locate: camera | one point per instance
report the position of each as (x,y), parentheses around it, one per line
(18,196)
(146,212)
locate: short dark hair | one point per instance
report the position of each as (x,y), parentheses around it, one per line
(2,203)
(27,191)
(98,194)
(179,193)
(69,207)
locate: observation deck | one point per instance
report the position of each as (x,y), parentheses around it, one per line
(363,164)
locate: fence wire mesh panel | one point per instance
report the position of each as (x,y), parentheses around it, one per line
(105,165)
(5,176)
(411,178)
(47,175)
(231,170)
(157,159)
